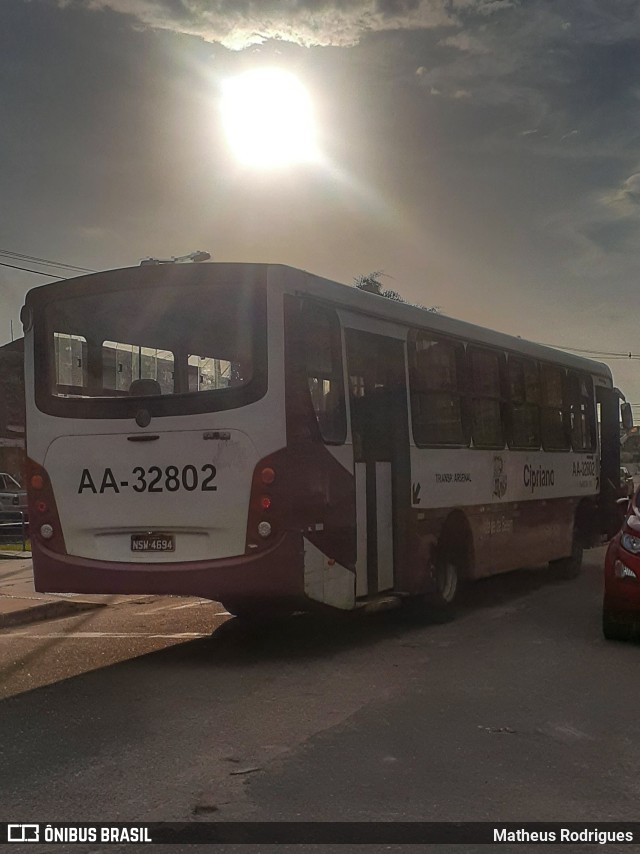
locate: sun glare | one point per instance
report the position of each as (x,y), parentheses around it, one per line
(268,118)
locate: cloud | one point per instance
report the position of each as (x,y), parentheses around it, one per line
(625,200)
(237,24)
(602,231)
(464,41)
(492,6)
(553,65)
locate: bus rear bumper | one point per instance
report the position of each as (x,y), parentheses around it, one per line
(274,575)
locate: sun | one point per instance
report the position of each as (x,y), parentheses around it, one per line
(268,118)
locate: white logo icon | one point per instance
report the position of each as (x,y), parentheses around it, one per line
(23,833)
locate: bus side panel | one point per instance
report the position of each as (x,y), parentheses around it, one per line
(504,537)
(521,534)
(317,486)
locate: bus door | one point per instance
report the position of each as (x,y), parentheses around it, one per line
(378,404)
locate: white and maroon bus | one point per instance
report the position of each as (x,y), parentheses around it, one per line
(274,441)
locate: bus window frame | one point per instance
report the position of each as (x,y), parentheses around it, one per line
(523,360)
(581,377)
(566,426)
(502,398)
(300,404)
(461,391)
(119,407)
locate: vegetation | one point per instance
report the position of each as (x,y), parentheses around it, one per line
(16,547)
(370,282)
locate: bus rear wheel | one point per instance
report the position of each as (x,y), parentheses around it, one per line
(439,606)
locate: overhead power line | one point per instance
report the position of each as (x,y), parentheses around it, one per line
(6,253)
(627,355)
(27,270)
(34,259)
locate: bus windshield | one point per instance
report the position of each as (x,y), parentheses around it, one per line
(159,343)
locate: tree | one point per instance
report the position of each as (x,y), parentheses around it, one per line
(370,282)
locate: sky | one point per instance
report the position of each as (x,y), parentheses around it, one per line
(483,154)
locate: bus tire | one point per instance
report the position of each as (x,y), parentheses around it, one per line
(616,629)
(450,566)
(571,566)
(449,572)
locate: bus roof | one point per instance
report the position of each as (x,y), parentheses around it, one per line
(346,296)
(406,314)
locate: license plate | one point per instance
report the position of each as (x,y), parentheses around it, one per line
(153,543)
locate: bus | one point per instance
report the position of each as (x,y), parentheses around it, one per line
(265,438)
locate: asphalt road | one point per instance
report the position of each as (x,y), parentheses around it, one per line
(43,653)
(517,711)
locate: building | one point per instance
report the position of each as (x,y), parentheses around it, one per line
(12,414)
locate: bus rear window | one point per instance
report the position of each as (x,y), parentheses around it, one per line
(156,343)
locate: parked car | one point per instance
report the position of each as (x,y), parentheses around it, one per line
(621,604)
(627,486)
(12,495)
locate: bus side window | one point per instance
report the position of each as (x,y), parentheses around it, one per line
(124,364)
(486,398)
(70,359)
(437,383)
(580,393)
(524,403)
(206,373)
(322,349)
(555,411)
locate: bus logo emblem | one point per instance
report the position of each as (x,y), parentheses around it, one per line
(499,477)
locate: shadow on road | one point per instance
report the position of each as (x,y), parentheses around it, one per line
(501,589)
(238,642)
(120,703)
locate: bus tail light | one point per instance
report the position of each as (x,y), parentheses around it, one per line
(266,505)
(264,529)
(44,521)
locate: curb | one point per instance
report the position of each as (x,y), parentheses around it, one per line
(46,611)
(16,556)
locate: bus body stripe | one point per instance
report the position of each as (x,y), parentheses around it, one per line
(384,526)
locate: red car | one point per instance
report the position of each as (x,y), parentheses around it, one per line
(627,486)
(621,605)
